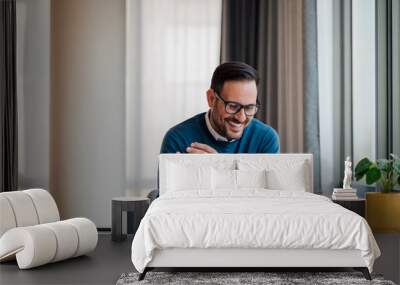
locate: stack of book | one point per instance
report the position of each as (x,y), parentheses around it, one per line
(344,194)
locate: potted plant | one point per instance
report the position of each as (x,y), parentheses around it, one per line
(381,207)
(384,171)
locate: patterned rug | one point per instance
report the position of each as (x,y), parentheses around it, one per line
(232,278)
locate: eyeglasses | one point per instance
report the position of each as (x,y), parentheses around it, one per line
(233,108)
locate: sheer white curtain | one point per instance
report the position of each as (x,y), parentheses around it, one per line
(347,85)
(172,49)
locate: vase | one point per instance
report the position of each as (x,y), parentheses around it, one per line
(383,212)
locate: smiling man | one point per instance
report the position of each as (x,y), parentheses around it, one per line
(229,125)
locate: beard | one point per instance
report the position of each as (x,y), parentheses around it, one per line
(229,127)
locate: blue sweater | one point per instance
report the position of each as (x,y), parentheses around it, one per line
(257,138)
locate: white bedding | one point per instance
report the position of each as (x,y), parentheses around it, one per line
(251,218)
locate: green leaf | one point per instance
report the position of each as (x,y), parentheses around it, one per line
(398,180)
(362,167)
(396,166)
(384,164)
(360,175)
(373,175)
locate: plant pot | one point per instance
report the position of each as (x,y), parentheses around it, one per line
(383,212)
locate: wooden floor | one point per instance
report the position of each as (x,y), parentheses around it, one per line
(102,266)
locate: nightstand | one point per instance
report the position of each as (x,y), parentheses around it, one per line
(356,205)
(135,205)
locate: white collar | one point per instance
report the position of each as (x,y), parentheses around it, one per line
(213,132)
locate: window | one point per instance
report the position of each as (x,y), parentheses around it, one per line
(363,79)
(172,49)
(358,63)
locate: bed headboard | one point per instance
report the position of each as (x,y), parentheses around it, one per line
(281,163)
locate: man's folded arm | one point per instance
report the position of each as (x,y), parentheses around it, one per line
(170,143)
(271,142)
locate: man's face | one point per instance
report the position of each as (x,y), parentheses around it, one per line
(227,125)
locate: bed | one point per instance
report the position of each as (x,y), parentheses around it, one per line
(245,211)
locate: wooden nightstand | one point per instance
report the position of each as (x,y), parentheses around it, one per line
(356,205)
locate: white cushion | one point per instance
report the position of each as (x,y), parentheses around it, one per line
(23,208)
(41,244)
(182,177)
(26,208)
(251,178)
(45,205)
(67,239)
(167,175)
(87,233)
(7,218)
(293,179)
(33,245)
(291,174)
(279,162)
(224,179)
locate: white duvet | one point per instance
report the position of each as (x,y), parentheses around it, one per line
(250,218)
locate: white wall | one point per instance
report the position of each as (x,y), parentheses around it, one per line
(33,92)
(70,87)
(87,108)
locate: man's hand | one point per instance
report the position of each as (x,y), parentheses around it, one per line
(200,148)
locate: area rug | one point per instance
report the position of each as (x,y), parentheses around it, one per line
(233,278)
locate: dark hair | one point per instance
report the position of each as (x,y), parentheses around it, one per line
(232,71)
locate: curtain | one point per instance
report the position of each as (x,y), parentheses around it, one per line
(172,50)
(268,35)
(311,88)
(387,17)
(8,98)
(278,38)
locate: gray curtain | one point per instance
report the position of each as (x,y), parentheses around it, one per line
(8,98)
(311,101)
(388,77)
(279,39)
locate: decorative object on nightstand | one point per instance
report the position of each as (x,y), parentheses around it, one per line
(346,193)
(137,205)
(356,205)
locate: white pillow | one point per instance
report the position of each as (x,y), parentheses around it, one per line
(293,179)
(281,174)
(251,178)
(237,179)
(224,179)
(182,177)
